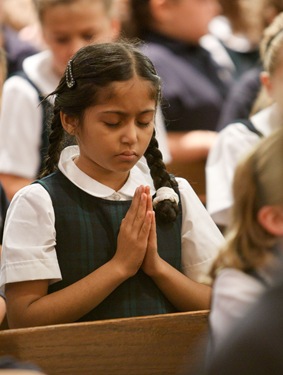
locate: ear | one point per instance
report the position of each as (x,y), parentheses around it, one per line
(271,219)
(266,82)
(69,123)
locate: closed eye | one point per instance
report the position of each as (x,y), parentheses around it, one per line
(144,124)
(112,124)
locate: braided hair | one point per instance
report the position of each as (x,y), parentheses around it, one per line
(95,67)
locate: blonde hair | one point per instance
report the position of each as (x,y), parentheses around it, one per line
(257,182)
(246,17)
(42,5)
(3,70)
(271,54)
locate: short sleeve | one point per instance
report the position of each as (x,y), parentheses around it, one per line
(28,251)
(231,145)
(201,239)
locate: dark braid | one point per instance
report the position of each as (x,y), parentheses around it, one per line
(166,210)
(55,144)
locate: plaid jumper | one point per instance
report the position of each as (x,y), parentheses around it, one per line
(87,228)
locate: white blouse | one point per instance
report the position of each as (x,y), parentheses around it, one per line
(232,144)
(30,238)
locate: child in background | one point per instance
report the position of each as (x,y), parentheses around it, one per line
(193,86)
(238,138)
(243,93)
(251,260)
(83,243)
(66,25)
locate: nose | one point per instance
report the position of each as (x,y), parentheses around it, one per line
(129,134)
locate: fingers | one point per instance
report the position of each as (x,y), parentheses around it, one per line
(141,203)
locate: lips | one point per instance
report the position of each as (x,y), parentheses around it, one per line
(128,156)
(128,153)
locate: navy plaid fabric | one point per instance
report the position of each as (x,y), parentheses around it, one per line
(86,237)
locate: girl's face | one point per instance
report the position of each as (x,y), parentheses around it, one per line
(273,82)
(68,27)
(116,131)
(189,19)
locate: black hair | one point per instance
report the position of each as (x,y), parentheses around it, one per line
(141,17)
(94,67)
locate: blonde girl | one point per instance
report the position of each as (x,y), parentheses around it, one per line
(251,258)
(235,140)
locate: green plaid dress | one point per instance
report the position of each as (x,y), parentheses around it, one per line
(86,238)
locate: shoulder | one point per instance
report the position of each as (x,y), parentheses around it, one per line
(32,195)
(40,71)
(233,139)
(17,84)
(163,58)
(156,50)
(233,283)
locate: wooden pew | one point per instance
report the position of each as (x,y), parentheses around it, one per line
(150,345)
(194,173)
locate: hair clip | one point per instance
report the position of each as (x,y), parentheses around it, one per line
(69,75)
(165,193)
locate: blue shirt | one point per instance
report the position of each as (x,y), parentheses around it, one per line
(192,90)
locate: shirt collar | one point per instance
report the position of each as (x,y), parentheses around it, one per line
(139,175)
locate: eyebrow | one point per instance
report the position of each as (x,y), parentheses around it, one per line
(122,113)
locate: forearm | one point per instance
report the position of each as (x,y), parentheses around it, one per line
(64,306)
(184,293)
(12,184)
(2,309)
(190,146)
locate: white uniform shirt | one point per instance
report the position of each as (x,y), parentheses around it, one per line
(29,240)
(21,118)
(234,294)
(232,144)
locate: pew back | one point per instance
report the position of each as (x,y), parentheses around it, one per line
(151,345)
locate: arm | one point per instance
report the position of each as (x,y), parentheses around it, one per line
(28,303)
(231,145)
(12,184)
(190,146)
(2,308)
(184,293)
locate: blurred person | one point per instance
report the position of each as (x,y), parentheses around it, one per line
(244,92)
(235,140)
(16,49)
(193,88)
(66,25)
(234,35)
(251,260)
(254,346)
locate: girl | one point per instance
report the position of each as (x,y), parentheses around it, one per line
(236,139)
(251,259)
(81,243)
(66,26)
